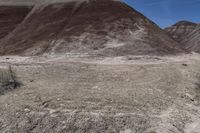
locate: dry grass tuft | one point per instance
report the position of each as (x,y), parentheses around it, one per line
(8,80)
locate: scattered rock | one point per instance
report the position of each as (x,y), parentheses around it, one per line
(188,96)
(126,131)
(27,110)
(184,64)
(58,99)
(37,99)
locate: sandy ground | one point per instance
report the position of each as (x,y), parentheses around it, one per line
(134,94)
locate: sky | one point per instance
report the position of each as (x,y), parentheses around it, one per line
(168,12)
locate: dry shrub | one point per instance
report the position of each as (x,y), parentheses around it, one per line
(8,80)
(198,83)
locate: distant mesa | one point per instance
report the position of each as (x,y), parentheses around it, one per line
(92,27)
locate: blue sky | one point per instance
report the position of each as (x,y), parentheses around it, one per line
(168,12)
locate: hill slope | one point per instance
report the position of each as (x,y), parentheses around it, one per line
(181,29)
(10,17)
(192,40)
(94,27)
(187,34)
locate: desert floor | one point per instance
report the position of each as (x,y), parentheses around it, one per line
(135,94)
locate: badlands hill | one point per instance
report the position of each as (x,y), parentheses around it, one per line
(192,40)
(187,34)
(94,27)
(181,29)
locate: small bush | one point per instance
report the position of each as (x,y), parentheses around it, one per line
(8,80)
(198,83)
(197,88)
(184,64)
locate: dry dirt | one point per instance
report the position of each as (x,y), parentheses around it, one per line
(135,94)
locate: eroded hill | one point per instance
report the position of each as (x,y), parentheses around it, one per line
(94,27)
(187,34)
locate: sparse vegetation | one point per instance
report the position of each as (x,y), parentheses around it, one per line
(8,80)
(198,83)
(197,88)
(184,64)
